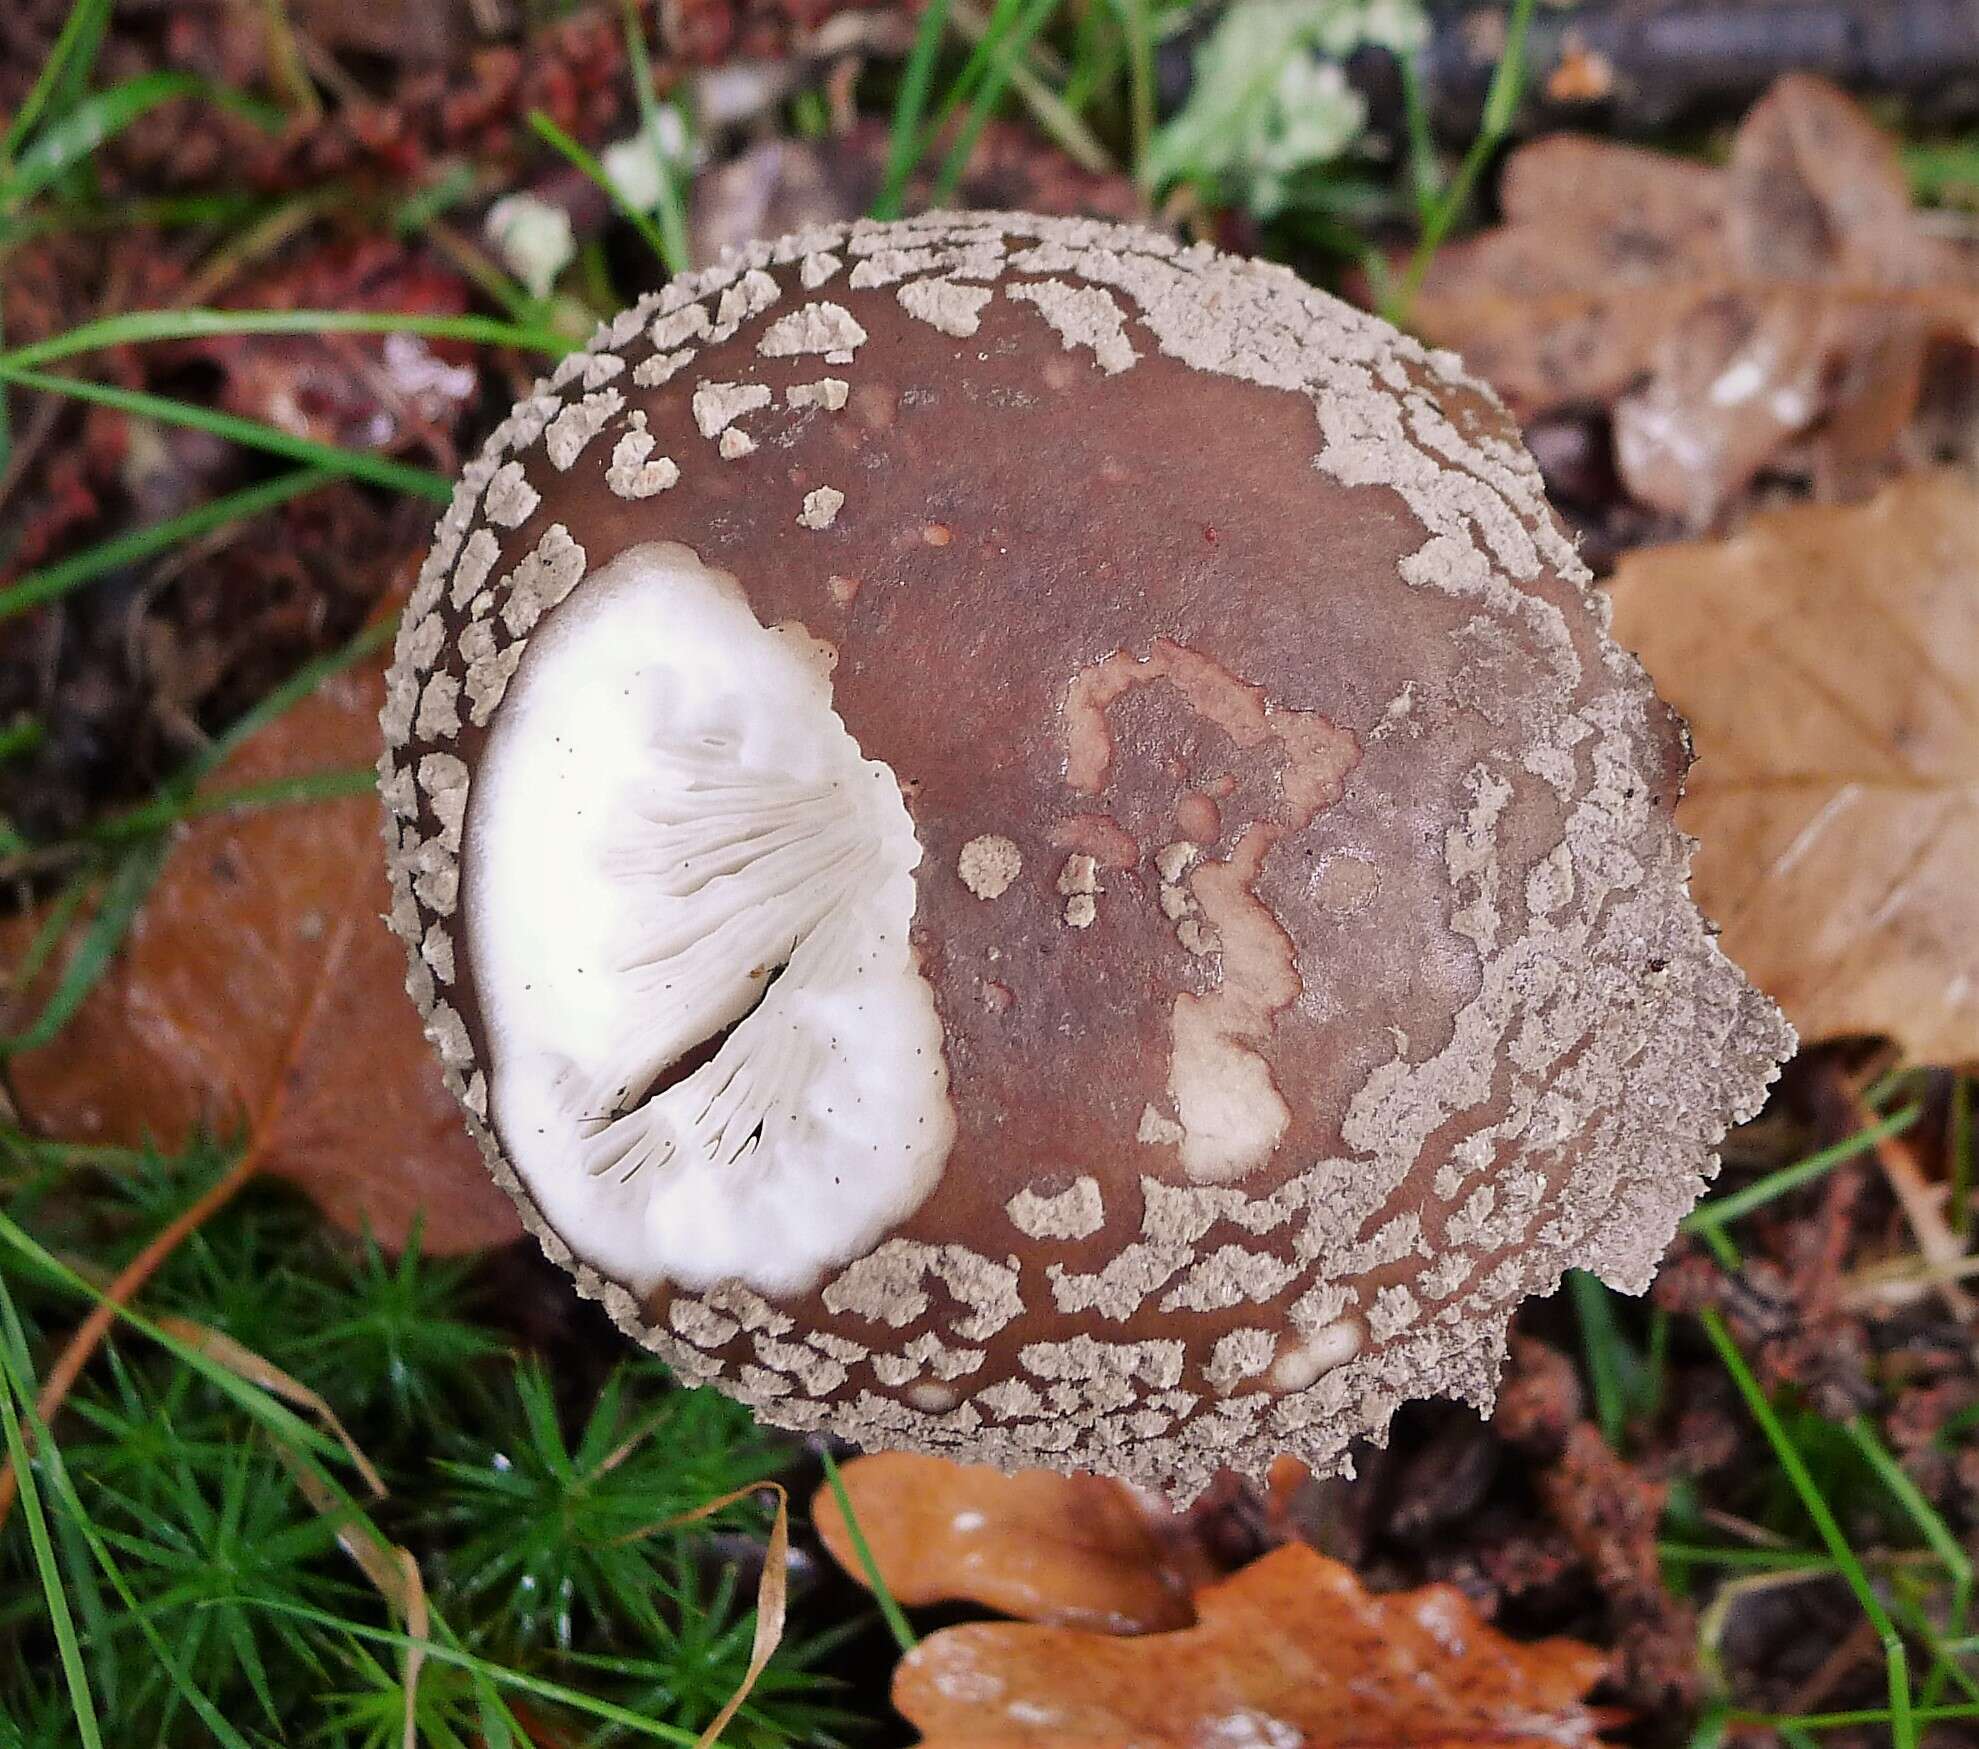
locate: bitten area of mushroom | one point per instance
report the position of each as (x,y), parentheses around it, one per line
(710,1051)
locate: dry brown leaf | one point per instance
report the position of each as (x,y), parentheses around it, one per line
(1290,1650)
(1074,1551)
(260,991)
(1724,315)
(1823,659)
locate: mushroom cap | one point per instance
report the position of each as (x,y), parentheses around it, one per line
(1027,842)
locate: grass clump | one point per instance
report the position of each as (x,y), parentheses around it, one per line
(536,1503)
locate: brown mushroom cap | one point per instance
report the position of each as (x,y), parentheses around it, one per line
(1292,896)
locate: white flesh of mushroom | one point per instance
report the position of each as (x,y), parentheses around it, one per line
(674,841)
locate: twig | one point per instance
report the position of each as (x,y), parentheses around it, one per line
(1935,1238)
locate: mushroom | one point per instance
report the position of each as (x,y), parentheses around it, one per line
(1027,842)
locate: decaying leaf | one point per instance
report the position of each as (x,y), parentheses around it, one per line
(1291,1650)
(1822,658)
(1073,1551)
(259,989)
(1725,315)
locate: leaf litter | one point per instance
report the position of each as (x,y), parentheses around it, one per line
(1290,1650)
(1783,310)
(1822,658)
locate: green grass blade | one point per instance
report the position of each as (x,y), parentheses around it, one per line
(1759,1560)
(1425,174)
(14,1364)
(1842,1721)
(277,1418)
(1721,1209)
(582,161)
(139,866)
(1003,62)
(1501,103)
(672,213)
(1903,1725)
(58,579)
(178,799)
(897,1624)
(904,145)
(499,1675)
(293,690)
(1930,1526)
(281,792)
(990,36)
(68,67)
(88,1732)
(1938,1537)
(6,401)
(91,959)
(65,143)
(54,927)
(1610,1364)
(356,464)
(1138,27)
(163,212)
(137,327)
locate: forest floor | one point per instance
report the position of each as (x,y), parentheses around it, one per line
(306,1468)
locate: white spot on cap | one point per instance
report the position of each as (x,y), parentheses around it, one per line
(572,430)
(719,405)
(1082,315)
(830,393)
(650,373)
(988,864)
(821,507)
(820,327)
(1300,1363)
(635,471)
(1073,1213)
(946,304)
(509,500)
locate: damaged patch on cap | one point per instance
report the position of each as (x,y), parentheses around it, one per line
(709,1047)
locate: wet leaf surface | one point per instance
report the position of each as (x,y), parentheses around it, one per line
(259,989)
(1072,1551)
(1291,1650)
(1822,659)
(1779,310)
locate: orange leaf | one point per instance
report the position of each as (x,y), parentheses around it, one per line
(1823,660)
(1722,315)
(1075,1551)
(264,935)
(1291,1650)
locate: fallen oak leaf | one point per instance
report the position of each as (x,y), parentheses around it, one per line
(259,992)
(1072,1551)
(1723,315)
(1290,1650)
(1820,659)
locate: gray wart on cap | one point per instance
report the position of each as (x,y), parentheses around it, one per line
(1026,842)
